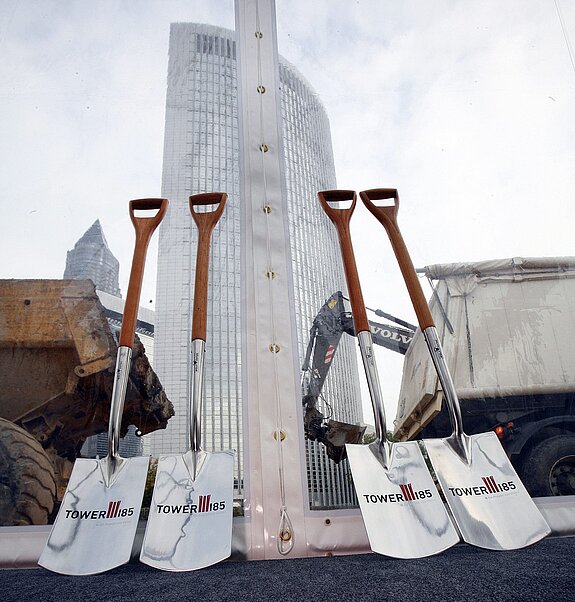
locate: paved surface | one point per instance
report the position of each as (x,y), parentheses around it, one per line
(543,572)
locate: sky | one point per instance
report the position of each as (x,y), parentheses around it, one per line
(467,107)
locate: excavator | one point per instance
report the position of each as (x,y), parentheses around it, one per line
(329,325)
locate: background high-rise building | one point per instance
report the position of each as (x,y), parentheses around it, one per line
(92,259)
(201,154)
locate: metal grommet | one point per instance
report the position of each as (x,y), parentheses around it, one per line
(264,148)
(259,35)
(261,89)
(274,348)
(271,275)
(285,535)
(282,435)
(327,521)
(267,209)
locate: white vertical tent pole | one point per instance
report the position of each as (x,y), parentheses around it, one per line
(275,504)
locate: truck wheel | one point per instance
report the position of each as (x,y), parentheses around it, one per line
(27,483)
(549,468)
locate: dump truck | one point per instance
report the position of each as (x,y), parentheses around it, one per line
(508,331)
(57,359)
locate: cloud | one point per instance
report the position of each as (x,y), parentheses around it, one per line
(83,85)
(466,107)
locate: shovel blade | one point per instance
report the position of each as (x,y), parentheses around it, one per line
(96,525)
(190,521)
(402,511)
(489,503)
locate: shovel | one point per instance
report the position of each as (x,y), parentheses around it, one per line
(96,524)
(401,508)
(190,521)
(489,503)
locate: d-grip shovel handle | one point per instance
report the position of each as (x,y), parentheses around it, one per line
(206,222)
(341,219)
(144,227)
(387,216)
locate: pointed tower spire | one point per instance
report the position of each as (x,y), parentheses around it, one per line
(91,258)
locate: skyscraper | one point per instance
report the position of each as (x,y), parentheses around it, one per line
(92,259)
(201,154)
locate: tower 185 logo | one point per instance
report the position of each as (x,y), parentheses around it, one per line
(408,494)
(490,486)
(204,504)
(114,510)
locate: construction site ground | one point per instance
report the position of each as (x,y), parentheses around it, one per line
(542,572)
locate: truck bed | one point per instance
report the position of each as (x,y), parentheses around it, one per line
(508,331)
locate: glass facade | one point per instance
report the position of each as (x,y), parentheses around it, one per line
(317,271)
(201,154)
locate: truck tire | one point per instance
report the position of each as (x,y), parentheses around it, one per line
(27,483)
(549,468)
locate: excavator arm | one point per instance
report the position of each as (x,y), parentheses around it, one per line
(331,322)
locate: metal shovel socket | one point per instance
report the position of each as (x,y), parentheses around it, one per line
(144,228)
(340,218)
(387,216)
(206,222)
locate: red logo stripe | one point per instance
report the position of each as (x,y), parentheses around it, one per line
(113,509)
(487,484)
(491,484)
(495,485)
(407,491)
(204,503)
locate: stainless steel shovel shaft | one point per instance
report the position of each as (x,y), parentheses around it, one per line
(458,437)
(113,461)
(194,415)
(368,358)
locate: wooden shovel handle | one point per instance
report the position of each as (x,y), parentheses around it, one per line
(144,227)
(341,219)
(387,215)
(206,222)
